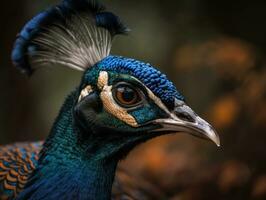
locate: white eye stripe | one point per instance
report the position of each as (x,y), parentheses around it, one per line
(85,92)
(156,100)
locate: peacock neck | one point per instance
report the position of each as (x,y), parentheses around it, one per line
(70,164)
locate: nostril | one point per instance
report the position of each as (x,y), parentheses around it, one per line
(185,116)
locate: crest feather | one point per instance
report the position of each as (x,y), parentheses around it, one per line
(75,33)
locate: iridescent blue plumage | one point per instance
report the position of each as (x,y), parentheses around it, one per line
(156,81)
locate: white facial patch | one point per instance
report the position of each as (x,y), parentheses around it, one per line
(102,80)
(109,103)
(85,92)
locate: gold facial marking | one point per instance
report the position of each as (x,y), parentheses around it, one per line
(109,103)
(111,107)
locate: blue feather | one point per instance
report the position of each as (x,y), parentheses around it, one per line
(156,81)
(111,22)
(23,46)
(92,6)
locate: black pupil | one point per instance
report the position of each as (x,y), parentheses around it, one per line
(128,94)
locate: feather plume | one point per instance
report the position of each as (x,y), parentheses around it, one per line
(75,33)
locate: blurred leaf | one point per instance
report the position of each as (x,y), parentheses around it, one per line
(233,174)
(259,189)
(224,111)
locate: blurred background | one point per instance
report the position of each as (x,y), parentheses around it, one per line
(214,51)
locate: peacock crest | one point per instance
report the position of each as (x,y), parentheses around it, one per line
(76,34)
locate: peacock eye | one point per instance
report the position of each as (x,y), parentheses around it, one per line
(125,95)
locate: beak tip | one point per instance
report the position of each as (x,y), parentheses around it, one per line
(216,139)
(218,144)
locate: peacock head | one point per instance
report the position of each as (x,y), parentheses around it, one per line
(128,102)
(121,102)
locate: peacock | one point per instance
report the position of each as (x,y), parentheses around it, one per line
(119,104)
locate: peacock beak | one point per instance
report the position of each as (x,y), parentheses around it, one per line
(184,119)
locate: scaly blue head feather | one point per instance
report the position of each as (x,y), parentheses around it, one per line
(156,81)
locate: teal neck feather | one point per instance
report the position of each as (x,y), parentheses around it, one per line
(71,164)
